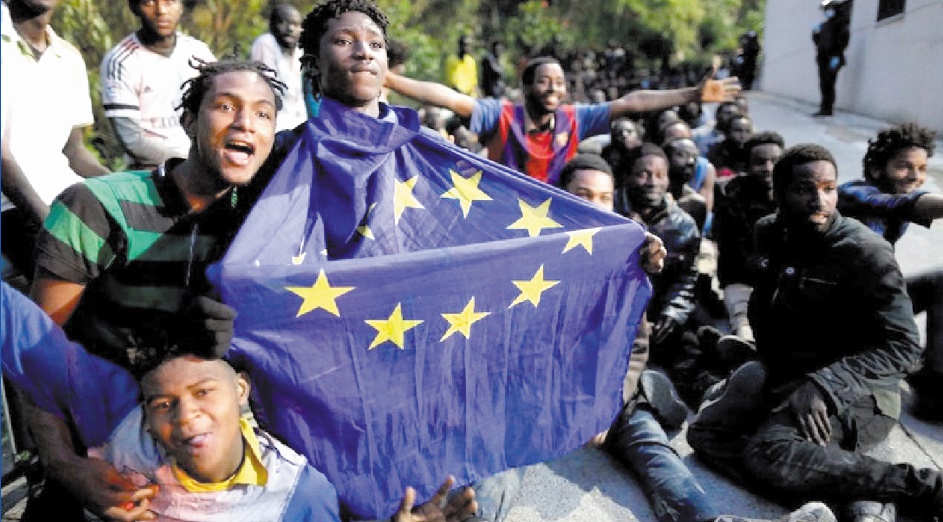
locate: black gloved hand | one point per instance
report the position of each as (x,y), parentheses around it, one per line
(209,325)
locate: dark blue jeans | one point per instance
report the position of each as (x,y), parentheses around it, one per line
(640,443)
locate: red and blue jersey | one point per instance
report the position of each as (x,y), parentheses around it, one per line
(541,154)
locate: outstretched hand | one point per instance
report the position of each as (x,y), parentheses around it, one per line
(439,508)
(810,410)
(718,90)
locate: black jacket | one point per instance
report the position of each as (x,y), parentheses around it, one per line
(673,288)
(744,202)
(832,308)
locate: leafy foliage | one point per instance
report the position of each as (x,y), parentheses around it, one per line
(659,30)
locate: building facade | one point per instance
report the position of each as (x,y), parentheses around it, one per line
(894,68)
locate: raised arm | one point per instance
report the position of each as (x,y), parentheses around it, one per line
(928,206)
(649,100)
(431,93)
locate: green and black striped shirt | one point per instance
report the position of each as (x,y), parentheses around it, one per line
(132,240)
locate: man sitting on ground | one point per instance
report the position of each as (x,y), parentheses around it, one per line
(637,438)
(835,336)
(887,200)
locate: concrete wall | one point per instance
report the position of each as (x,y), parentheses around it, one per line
(895,66)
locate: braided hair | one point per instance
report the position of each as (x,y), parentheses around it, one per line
(195,89)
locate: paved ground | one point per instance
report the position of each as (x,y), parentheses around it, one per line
(587,486)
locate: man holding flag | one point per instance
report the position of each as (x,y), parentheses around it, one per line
(386,275)
(406,306)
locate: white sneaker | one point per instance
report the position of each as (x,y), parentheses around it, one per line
(811,512)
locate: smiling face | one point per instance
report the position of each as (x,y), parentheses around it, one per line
(647,182)
(808,201)
(904,172)
(159,18)
(192,408)
(547,91)
(352,61)
(236,127)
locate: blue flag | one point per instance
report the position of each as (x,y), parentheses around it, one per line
(409,310)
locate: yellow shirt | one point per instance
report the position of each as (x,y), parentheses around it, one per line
(252,472)
(461,74)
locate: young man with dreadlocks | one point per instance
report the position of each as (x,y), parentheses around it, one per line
(121,258)
(887,200)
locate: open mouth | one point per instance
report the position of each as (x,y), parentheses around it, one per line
(238,152)
(196,441)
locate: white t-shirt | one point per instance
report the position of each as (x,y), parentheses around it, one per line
(266,50)
(142,85)
(43,100)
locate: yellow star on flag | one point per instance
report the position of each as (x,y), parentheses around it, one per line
(393,329)
(463,321)
(583,238)
(403,197)
(319,295)
(532,290)
(364,229)
(466,190)
(534,219)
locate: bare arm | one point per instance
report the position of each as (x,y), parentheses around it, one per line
(649,100)
(97,484)
(19,190)
(707,188)
(94,482)
(929,206)
(56,297)
(80,159)
(431,93)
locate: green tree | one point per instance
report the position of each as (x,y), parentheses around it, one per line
(675,30)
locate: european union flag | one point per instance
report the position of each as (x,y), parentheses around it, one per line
(410,310)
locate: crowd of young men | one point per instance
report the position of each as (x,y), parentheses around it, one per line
(120,266)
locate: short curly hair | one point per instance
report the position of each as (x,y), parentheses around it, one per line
(764,138)
(195,89)
(784,170)
(582,161)
(891,141)
(315,25)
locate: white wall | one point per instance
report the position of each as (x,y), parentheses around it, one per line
(894,70)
